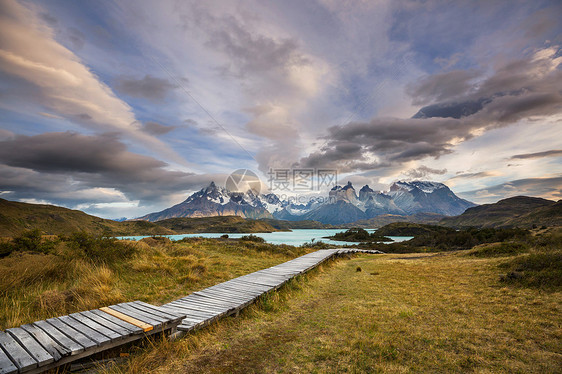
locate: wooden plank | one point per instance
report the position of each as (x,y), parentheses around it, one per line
(108,324)
(193,313)
(124,317)
(63,340)
(31,345)
(207,300)
(171,316)
(233,302)
(224,295)
(90,333)
(199,306)
(50,345)
(153,316)
(6,364)
(155,313)
(100,329)
(136,315)
(17,353)
(191,317)
(126,325)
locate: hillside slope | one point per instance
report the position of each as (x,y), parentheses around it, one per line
(231,224)
(519,211)
(16,217)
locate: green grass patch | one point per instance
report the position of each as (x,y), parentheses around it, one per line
(538,270)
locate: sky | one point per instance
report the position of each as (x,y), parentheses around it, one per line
(124,108)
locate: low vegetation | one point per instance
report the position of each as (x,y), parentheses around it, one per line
(359,235)
(228,224)
(42,277)
(446,312)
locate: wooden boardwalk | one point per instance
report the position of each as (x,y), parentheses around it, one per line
(42,345)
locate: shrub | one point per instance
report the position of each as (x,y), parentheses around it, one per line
(499,249)
(539,270)
(99,249)
(252,238)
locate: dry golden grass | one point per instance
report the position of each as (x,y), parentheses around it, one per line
(443,313)
(36,286)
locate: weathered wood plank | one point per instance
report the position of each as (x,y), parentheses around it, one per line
(156,311)
(199,306)
(172,315)
(126,325)
(149,314)
(100,329)
(32,346)
(53,347)
(127,318)
(60,337)
(123,332)
(6,364)
(90,333)
(17,353)
(137,315)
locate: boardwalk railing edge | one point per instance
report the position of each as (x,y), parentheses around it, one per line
(44,345)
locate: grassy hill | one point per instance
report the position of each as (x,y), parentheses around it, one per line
(290,225)
(16,217)
(519,211)
(385,219)
(231,224)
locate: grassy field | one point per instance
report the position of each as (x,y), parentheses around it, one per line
(83,272)
(446,312)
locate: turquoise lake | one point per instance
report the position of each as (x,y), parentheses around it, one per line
(295,237)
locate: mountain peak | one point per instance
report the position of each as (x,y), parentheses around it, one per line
(366,188)
(424,186)
(348,186)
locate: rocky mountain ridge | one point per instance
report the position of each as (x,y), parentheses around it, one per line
(343,204)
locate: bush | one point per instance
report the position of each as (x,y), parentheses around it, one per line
(252,238)
(499,249)
(28,241)
(99,249)
(539,270)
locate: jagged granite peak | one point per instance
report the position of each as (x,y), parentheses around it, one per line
(342,206)
(365,192)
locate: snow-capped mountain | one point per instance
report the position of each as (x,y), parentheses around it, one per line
(216,201)
(343,205)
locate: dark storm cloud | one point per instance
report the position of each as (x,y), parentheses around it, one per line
(149,87)
(521,89)
(551,153)
(52,164)
(155,128)
(441,87)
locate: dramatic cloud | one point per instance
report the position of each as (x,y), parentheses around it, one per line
(52,164)
(442,87)
(551,153)
(66,86)
(423,172)
(520,89)
(149,87)
(548,188)
(155,128)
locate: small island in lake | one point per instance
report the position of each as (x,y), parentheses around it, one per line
(359,235)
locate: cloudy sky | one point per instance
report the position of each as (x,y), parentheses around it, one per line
(124,108)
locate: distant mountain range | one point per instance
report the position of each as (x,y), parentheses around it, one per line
(342,205)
